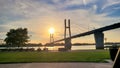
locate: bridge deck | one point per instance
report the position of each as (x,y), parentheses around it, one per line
(106,28)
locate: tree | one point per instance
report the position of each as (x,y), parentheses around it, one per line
(17,37)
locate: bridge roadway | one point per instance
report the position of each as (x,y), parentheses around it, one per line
(114,26)
(98,35)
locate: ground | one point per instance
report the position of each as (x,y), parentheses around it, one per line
(57,65)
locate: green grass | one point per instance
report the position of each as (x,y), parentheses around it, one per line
(79,56)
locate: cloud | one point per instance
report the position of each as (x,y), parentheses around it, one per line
(110,3)
(113,11)
(30,8)
(39,16)
(3,29)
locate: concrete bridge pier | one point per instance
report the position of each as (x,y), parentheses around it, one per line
(68,44)
(99,40)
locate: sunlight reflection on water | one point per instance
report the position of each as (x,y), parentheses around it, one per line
(79,47)
(86,47)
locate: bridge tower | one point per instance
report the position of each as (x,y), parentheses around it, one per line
(67,39)
(51,38)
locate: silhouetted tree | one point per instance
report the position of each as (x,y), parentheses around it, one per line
(17,37)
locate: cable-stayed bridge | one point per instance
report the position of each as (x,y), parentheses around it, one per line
(98,35)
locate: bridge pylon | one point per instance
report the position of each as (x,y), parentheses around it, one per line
(51,38)
(67,39)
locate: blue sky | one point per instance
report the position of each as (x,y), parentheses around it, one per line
(39,15)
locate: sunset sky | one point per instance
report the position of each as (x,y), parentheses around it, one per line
(40,15)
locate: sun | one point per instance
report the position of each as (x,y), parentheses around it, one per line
(51,30)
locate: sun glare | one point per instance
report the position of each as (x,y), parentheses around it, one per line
(51,30)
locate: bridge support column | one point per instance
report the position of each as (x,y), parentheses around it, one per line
(99,40)
(68,44)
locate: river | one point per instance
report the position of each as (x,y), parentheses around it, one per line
(78,47)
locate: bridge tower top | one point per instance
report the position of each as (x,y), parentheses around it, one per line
(67,26)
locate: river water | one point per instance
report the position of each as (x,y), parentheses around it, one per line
(78,47)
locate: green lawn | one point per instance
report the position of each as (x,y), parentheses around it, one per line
(79,56)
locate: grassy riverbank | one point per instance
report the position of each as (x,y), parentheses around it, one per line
(75,56)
